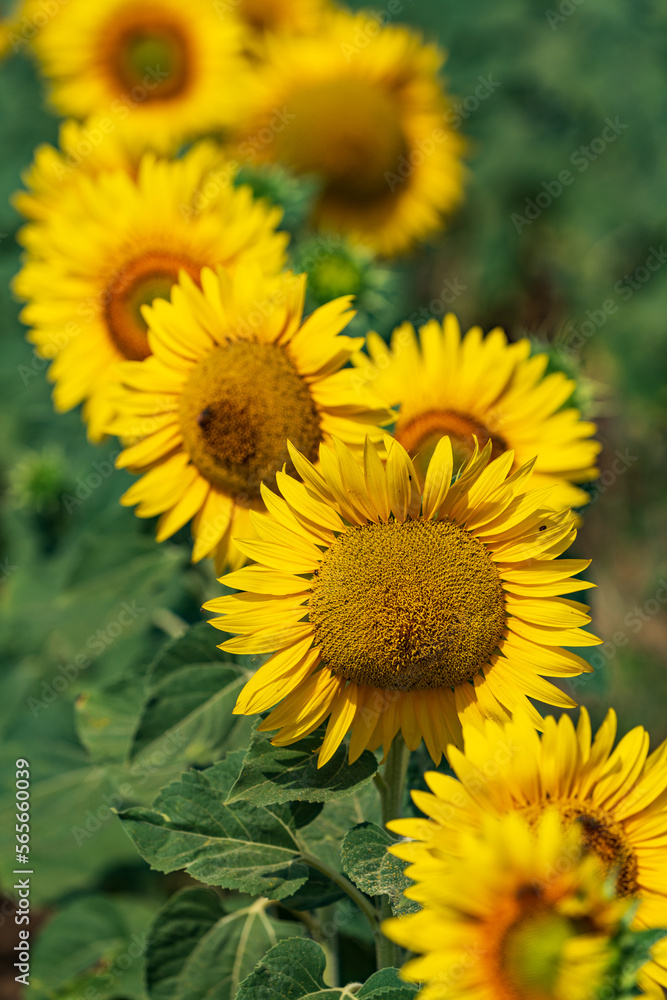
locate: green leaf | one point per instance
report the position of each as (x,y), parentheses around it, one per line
(294,970)
(290,774)
(95,944)
(373,869)
(199,950)
(387,985)
(250,848)
(191,691)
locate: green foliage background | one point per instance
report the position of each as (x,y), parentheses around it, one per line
(84,579)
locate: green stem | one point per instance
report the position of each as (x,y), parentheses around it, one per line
(395,770)
(348,888)
(392,787)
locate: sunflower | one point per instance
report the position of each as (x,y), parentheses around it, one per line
(297,16)
(84,149)
(519,913)
(159,68)
(387,610)
(617,798)
(482,387)
(362,109)
(119,242)
(235,372)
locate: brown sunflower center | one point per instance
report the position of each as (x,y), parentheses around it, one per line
(150,54)
(346,131)
(604,837)
(241,404)
(407,605)
(144,279)
(419,435)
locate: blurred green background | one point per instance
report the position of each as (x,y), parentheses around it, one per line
(535,86)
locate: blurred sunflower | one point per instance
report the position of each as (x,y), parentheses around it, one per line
(616,798)
(364,111)
(482,387)
(390,611)
(84,149)
(120,242)
(235,372)
(297,16)
(158,68)
(518,913)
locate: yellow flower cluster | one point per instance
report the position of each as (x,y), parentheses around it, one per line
(409,585)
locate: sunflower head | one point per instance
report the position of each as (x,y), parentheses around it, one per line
(483,389)
(235,372)
(84,150)
(615,798)
(363,110)
(155,68)
(118,240)
(519,912)
(395,602)
(290,16)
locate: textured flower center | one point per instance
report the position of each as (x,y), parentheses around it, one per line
(420,435)
(532,954)
(407,605)
(346,131)
(607,839)
(604,837)
(241,404)
(149,54)
(149,277)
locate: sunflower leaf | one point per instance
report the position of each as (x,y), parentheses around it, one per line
(367,862)
(191,691)
(295,969)
(246,847)
(200,948)
(93,946)
(290,774)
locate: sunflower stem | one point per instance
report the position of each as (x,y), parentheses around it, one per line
(393,785)
(357,897)
(392,788)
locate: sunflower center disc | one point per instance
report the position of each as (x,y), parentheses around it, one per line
(420,435)
(151,56)
(407,605)
(532,953)
(347,132)
(149,277)
(606,839)
(241,404)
